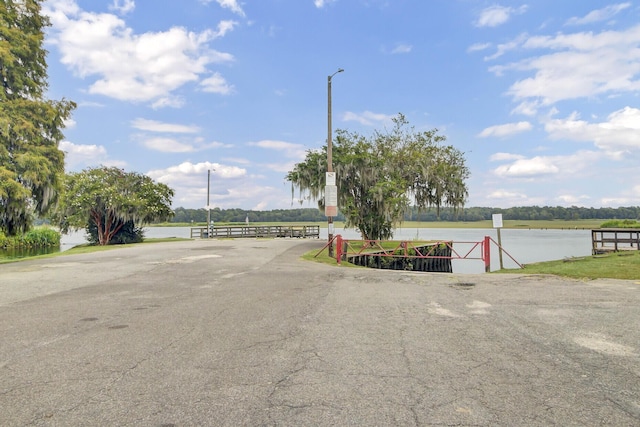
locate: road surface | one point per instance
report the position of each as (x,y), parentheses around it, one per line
(244,333)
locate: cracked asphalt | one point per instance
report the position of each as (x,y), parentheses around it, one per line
(244,333)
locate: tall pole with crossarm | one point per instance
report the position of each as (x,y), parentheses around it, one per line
(331,209)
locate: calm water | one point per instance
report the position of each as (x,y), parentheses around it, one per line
(525,246)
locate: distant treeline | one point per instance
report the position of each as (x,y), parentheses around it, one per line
(467,214)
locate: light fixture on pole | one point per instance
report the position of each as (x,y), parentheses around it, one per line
(331,190)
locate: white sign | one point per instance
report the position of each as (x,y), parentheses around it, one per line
(497,220)
(331,195)
(330,178)
(330,200)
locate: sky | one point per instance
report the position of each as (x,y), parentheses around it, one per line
(541,96)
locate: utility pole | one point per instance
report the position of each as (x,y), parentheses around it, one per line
(330,183)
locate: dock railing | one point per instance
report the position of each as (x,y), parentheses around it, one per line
(240,231)
(606,240)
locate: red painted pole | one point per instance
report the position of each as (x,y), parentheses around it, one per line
(486,254)
(338,248)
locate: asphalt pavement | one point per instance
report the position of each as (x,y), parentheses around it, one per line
(245,333)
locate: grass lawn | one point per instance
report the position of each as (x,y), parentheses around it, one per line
(620,265)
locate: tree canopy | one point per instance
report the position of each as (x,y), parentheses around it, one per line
(31,165)
(381,176)
(107,199)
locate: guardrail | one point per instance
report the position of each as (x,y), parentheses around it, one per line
(411,249)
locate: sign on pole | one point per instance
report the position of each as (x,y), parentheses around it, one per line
(330,199)
(497,220)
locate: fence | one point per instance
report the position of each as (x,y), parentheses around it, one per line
(239,231)
(346,248)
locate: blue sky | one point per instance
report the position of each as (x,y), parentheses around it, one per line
(541,96)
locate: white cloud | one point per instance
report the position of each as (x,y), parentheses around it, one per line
(498,15)
(216,84)
(508,129)
(230,185)
(547,166)
(476,47)
(290,150)
(155,126)
(580,65)
(505,194)
(123,6)
(128,66)
(168,101)
(401,48)
(620,133)
(603,14)
(228,4)
(78,156)
(528,168)
(322,3)
(366,118)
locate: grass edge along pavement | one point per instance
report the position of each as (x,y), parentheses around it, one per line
(87,248)
(623,265)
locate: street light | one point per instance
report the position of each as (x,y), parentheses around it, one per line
(330,176)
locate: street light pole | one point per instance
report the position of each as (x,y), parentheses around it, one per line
(208,205)
(330,156)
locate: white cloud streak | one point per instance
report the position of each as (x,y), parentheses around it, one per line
(603,14)
(505,130)
(156,126)
(496,15)
(367,118)
(581,65)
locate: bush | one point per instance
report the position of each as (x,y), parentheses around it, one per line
(617,223)
(35,238)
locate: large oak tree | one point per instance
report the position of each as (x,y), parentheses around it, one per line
(31,165)
(381,176)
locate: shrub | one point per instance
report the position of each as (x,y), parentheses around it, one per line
(617,223)
(37,237)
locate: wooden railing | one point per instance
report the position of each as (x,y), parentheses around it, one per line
(606,240)
(240,231)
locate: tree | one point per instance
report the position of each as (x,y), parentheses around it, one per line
(108,198)
(378,177)
(31,165)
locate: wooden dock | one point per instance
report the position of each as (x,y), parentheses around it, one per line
(605,240)
(244,231)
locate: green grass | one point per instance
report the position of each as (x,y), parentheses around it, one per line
(620,265)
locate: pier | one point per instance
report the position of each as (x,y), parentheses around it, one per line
(243,231)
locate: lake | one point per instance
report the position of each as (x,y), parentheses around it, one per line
(525,246)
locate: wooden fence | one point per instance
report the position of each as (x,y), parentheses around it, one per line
(606,240)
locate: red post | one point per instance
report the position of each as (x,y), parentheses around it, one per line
(338,248)
(486,254)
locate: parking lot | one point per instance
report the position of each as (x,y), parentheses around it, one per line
(243,332)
